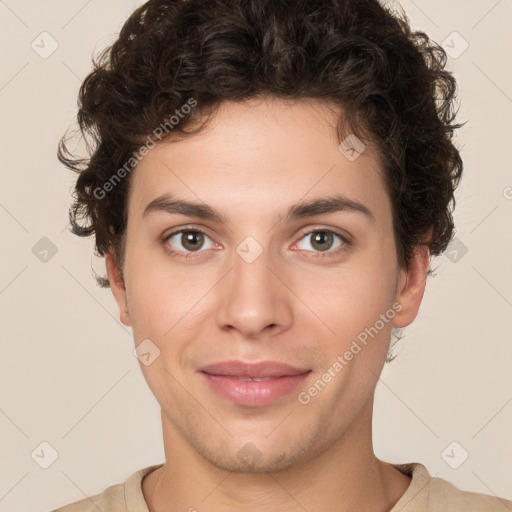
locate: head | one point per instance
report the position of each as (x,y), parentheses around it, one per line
(314,139)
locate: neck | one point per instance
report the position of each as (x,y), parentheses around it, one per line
(344,477)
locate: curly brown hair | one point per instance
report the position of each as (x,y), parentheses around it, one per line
(391,83)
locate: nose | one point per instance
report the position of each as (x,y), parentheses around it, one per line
(253,298)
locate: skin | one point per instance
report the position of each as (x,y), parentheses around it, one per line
(296,303)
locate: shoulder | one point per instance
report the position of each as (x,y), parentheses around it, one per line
(445,497)
(111,497)
(122,497)
(432,494)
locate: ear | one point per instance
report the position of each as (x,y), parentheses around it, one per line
(118,288)
(411,286)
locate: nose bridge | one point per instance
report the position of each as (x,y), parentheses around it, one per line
(253,297)
(251,266)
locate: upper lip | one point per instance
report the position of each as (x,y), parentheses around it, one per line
(261,369)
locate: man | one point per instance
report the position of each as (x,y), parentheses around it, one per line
(268,183)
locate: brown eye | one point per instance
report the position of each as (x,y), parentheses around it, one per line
(186,241)
(324,240)
(192,240)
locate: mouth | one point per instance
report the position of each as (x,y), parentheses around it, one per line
(253,384)
(248,370)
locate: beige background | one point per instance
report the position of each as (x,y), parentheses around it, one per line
(68,376)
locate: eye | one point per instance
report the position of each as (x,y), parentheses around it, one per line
(323,239)
(190,240)
(187,241)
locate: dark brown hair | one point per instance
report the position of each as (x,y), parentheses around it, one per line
(390,81)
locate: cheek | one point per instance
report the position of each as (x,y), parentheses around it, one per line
(352,307)
(355,325)
(163,300)
(351,299)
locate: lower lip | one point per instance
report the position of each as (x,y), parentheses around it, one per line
(254,393)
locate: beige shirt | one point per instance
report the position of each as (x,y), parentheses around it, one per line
(424,494)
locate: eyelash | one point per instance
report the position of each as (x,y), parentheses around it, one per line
(346,243)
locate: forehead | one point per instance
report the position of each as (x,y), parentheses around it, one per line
(266,154)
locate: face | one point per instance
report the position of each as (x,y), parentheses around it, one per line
(259,285)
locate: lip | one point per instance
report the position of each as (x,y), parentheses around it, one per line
(235,368)
(280,380)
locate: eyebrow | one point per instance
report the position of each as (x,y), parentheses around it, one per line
(322,205)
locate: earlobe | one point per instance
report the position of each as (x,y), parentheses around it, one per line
(118,287)
(411,287)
